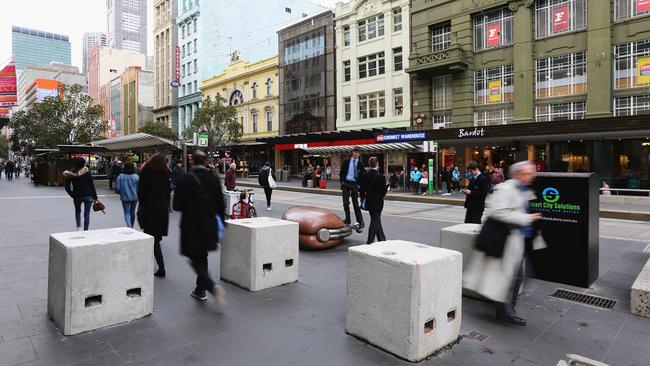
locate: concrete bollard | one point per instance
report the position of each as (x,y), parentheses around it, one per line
(460,238)
(99,278)
(260,253)
(640,293)
(404,297)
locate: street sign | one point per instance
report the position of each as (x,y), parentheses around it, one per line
(203,139)
(175,83)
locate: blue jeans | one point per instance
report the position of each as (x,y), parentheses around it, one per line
(87,202)
(129,212)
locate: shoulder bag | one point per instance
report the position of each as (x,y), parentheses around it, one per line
(492,238)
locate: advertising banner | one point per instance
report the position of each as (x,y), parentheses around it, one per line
(642,6)
(494,91)
(178,63)
(8,96)
(493,35)
(643,70)
(404,136)
(569,203)
(560,19)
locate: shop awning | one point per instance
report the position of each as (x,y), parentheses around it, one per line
(136,141)
(364,148)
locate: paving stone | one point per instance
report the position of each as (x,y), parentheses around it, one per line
(9,313)
(15,352)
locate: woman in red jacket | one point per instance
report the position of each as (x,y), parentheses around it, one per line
(230,177)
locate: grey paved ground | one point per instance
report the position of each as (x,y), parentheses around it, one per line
(301,323)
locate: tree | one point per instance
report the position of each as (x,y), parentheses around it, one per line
(4,147)
(219,121)
(66,120)
(159,129)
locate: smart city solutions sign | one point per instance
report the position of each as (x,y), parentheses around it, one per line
(551,203)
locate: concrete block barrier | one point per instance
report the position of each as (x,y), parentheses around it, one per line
(260,253)
(99,278)
(404,297)
(460,238)
(640,294)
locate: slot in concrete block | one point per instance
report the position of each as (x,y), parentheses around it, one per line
(99,278)
(260,253)
(640,294)
(404,297)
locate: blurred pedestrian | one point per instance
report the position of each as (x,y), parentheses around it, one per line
(424,180)
(9,170)
(153,198)
(415,180)
(127,186)
(266,179)
(177,173)
(455,179)
(496,268)
(317,176)
(80,186)
(351,171)
(231,177)
(393,181)
(373,190)
(116,170)
(199,198)
(475,194)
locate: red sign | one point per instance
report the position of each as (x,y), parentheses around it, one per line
(493,35)
(560,19)
(178,63)
(642,6)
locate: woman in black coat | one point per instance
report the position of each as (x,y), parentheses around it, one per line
(373,190)
(153,199)
(80,186)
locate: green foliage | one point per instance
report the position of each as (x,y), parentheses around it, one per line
(219,121)
(70,120)
(4,147)
(159,129)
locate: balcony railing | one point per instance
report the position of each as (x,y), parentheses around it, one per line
(451,59)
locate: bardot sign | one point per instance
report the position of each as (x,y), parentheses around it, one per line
(404,136)
(477,132)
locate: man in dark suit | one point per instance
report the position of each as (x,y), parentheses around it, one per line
(475,194)
(350,175)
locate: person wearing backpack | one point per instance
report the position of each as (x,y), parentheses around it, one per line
(127,186)
(266,179)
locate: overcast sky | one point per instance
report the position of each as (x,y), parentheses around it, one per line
(69,17)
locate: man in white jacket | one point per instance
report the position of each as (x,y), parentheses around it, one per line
(499,279)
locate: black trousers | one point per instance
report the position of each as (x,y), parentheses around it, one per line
(375,229)
(157,253)
(473,215)
(110,183)
(508,309)
(268,191)
(351,190)
(203,280)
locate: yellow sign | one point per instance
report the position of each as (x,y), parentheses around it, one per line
(643,70)
(494,91)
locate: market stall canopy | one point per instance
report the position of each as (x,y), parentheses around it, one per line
(136,141)
(72,149)
(364,148)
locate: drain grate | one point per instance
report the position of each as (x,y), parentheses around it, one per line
(597,301)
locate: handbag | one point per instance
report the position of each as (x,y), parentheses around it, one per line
(424,181)
(272,181)
(98,206)
(492,238)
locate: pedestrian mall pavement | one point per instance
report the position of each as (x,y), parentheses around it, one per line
(300,323)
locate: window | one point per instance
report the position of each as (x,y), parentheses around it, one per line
(183,32)
(196,67)
(254,118)
(397,58)
(397,19)
(493,29)
(632,105)
(398,101)
(346,35)
(196,48)
(625,9)
(189,88)
(346,71)
(196,86)
(254,88)
(347,107)
(562,75)
(441,121)
(196,25)
(269,121)
(630,60)
(560,111)
(493,85)
(288,10)
(370,28)
(372,105)
(183,50)
(372,65)
(440,37)
(441,92)
(184,91)
(189,30)
(183,71)
(494,117)
(189,68)
(559,16)
(269,87)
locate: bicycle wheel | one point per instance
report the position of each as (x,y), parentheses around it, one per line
(252,213)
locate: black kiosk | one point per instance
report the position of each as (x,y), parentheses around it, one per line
(569,203)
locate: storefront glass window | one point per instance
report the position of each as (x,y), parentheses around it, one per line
(493,29)
(632,64)
(442,92)
(625,9)
(493,85)
(632,105)
(560,111)
(372,105)
(562,75)
(559,16)
(440,37)
(494,117)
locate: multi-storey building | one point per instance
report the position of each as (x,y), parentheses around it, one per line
(126,22)
(115,108)
(89,40)
(166,67)
(372,40)
(136,99)
(40,89)
(189,91)
(252,88)
(560,82)
(31,47)
(105,64)
(65,74)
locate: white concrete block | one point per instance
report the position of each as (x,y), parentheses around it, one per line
(460,238)
(640,294)
(99,278)
(260,253)
(404,297)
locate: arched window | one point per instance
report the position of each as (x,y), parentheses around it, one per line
(269,87)
(236,98)
(254,87)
